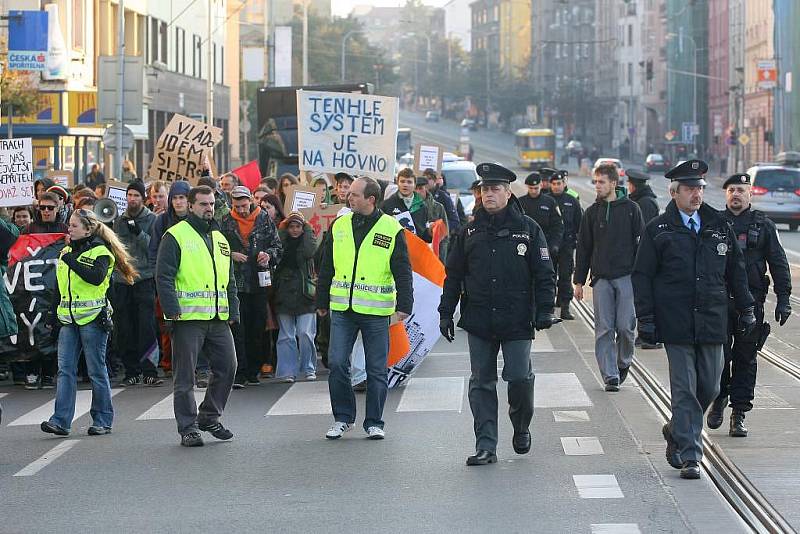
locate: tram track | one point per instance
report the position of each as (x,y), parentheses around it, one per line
(743,496)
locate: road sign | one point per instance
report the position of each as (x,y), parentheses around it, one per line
(110,139)
(767,72)
(744,139)
(132,92)
(669,136)
(687,132)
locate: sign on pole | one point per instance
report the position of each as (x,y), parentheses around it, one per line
(347,132)
(744,139)
(687,132)
(428,156)
(767,72)
(118,192)
(27,40)
(132,93)
(16,172)
(184,146)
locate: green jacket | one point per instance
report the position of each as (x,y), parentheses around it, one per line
(8,319)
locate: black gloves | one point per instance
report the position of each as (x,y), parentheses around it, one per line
(747,320)
(448,329)
(783,310)
(545,321)
(647,330)
(134,228)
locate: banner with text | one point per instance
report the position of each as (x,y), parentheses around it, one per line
(16,172)
(348,132)
(183,150)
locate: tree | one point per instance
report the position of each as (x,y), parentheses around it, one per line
(19,95)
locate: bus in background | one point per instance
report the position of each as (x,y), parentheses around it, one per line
(404,145)
(536,148)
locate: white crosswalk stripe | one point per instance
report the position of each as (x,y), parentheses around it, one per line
(581,446)
(568,416)
(164,409)
(303,398)
(615,528)
(597,486)
(47,458)
(559,390)
(83,402)
(433,395)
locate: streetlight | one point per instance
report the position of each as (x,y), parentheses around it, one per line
(416,62)
(344,44)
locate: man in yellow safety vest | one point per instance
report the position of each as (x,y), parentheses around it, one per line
(197,290)
(365,277)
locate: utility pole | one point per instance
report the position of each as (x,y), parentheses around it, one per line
(305,42)
(211,66)
(118,123)
(267,39)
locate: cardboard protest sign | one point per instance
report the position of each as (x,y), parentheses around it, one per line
(118,192)
(348,132)
(428,156)
(61,177)
(321,218)
(300,198)
(16,172)
(182,148)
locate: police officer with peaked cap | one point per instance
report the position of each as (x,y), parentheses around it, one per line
(688,260)
(758,238)
(544,210)
(564,262)
(640,192)
(499,268)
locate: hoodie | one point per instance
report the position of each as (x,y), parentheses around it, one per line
(608,238)
(646,199)
(165,221)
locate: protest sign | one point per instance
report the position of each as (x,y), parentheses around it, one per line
(182,148)
(300,198)
(62,178)
(16,172)
(30,280)
(118,192)
(406,221)
(428,156)
(321,218)
(348,132)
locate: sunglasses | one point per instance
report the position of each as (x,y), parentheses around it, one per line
(47,208)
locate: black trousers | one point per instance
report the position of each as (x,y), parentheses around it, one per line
(564,266)
(135,327)
(738,380)
(249,334)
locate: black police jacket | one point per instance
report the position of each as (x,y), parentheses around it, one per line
(682,278)
(758,238)
(646,200)
(571,213)
(544,210)
(500,269)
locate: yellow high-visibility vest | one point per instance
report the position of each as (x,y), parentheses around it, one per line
(81,302)
(363,282)
(201,282)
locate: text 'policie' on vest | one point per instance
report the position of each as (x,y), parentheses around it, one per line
(199,270)
(81,302)
(363,280)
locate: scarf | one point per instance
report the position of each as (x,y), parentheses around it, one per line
(246,224)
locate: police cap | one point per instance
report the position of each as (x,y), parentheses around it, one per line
(533,178)
(561,174)
(546,173)
(637,176)
(494,173)
(736,179)
(689,172)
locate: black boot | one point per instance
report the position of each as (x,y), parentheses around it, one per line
(738,430)
(715,414)
(566,314)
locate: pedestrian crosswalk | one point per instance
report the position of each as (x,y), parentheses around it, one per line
(164,409)
(83,403)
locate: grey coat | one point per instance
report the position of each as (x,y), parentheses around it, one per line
(138,246)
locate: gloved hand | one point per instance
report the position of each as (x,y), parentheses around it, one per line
(134,227)
(647,329)
(448,329)
(747,320)
(783,310)
(553,253)
(545,321)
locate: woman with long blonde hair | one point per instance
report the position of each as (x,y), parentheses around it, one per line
(83,315)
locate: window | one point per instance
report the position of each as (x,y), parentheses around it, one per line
(630,74)
(214,63)
(78,17)
(154,38)
(163,49)
(197,55)
(630,34)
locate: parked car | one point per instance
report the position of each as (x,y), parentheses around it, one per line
(776,191)
(432,116)
(459,175)
(469,123)
(623,179)
(656,163)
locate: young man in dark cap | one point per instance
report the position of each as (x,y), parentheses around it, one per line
(758,238)
(544,210)
(688,260)
(640,192)
(499,268)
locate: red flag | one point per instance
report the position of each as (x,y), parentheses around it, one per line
(249,175)
(28,244)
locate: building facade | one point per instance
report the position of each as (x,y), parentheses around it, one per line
(758,101)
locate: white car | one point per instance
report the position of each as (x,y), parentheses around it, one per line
(459,175)
(613,161)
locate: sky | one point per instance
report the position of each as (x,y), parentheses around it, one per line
(342,8)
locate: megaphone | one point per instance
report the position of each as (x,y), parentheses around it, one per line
(106,210)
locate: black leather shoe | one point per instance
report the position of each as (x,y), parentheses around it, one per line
(482,457)
(715,414)
(673,456)
(612,384)
(623,374)
(52,428)
(566,314)
(192,439)
(690,469)
(218,431)
(738,430)
(521,442)
(652,346)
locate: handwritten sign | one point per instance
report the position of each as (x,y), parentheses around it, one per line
(184,145)
(321,218)
(300,198)
(16,172)
(61,177)
(348,132)
(428,156)
(118,192)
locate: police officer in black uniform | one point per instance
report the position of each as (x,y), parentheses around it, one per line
(641,193)
(758,238)
(499,268)
(544,210)
(564,263)
(688,259)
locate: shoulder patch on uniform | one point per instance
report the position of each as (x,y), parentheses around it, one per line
(544,254)
(382,240)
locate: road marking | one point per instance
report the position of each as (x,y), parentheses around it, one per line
(588,446)
(83,402)
(597,486)
(303,398)
(559,390)
(615,528)
(433,395)
(567,416)
(165,408)
(47,458)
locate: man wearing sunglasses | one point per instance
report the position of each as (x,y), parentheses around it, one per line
(45,219)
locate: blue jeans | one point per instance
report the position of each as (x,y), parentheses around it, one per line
(375,333)
(92,338)
(296,331)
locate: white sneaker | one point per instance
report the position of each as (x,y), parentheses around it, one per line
(375,432)
(311,377)
(337,429)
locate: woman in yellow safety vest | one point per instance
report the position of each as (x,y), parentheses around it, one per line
(83,315)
